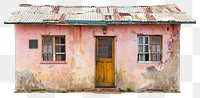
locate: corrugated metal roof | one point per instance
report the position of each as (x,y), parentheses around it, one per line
(163,14)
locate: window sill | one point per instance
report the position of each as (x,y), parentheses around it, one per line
(149,62)
(53,62)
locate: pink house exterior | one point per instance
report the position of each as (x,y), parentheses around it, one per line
(79,55)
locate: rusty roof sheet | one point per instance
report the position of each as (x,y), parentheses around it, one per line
(163,14)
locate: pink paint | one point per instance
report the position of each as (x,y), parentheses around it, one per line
(80,51)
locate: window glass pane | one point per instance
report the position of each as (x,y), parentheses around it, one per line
(110,41)
(50,57)
(33,44)
(105,48)
(109,48)
(105,55)
(141,57)
(60,48)
(57,40)
(45,48)
(100,55)
(153,57)
(47,57)
(104,41)
(47,40)
(60,57)
(158,40)
(158,48)
(63,57)
(140,48)
(158,57)
(140,40)
(110,55)
(63,48)
(100,49)
(62,40)
(146,57)
(146,40)
(44,56)
(50,48)
(146,48)
(153,48)
(99,41)
(153,40)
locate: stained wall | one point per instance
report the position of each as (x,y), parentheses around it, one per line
(78,73)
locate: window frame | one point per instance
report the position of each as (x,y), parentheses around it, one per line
(53,50)
(32,46)
(150,48)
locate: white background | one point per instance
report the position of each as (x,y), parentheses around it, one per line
(190,57)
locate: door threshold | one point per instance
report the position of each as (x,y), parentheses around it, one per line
(104,86)
(106,89)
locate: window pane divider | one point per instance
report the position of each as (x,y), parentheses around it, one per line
(143,56)
(60,53)
(143,52)
(150,42)
(60,44)
(46,52)
(156,52)
(54,55)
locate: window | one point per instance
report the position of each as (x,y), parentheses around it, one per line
(149,48)
(33,44)
(105,47)
(53,48)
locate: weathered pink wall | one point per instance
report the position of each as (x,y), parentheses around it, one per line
(79,72)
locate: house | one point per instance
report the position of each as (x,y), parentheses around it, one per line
(78,48)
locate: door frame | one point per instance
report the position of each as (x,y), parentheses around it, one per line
(113,56)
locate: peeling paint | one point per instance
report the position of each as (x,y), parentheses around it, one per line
(165,79)
(79,72)
(26,81)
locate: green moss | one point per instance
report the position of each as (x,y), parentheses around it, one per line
(120,90)
(129,90)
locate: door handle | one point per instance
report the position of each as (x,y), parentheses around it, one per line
(97,59)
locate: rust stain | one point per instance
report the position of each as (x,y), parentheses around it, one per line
(72,61)
(56,14)
(81,46)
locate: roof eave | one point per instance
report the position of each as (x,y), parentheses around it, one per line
(102,23)
(30,23)
(150,22)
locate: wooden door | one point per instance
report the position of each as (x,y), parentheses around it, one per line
(105,62)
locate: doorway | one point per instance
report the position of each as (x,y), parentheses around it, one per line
(105,76)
